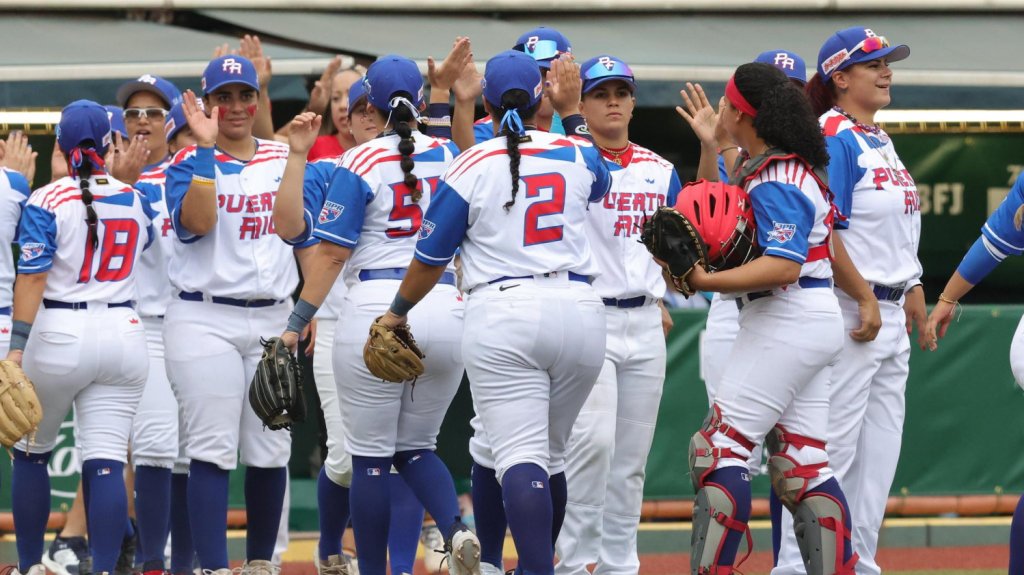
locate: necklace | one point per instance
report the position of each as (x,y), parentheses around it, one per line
(877,139)
(615,155)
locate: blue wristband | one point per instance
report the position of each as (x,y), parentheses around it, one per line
(20,331)
(401,306)
(301,315)
(204,163)
(576,125)
(979,261)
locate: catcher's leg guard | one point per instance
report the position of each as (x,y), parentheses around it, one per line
(789,477)
(821,522)
(704,454)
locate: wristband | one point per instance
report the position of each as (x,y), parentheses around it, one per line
(201,181)
(439,115)
(943,298)
(401,306)
(20,331)
(302,314)
(576,125)
(204,163)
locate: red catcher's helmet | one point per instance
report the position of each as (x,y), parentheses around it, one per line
(724,218)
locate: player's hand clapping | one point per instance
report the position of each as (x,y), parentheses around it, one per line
(129,158)
(467,87)
(320,95)
(444,75)
(302,132)
(564,86)
(700,114)
(18,155)
(203,127)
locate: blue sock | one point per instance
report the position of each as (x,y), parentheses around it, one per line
(332,501)
(103,482)
(489,512)
(428,477)
(208,513)
(30,502)
(775,510)
(559,497)
(153,513)
(406,524)
(736,482)
(831,487)
(264,500)
(527,496)
(370,493)
(182,552)
(1017,540)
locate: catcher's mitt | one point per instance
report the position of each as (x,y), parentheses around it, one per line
(392,354)
(671,238)
(20,411)
(275,393)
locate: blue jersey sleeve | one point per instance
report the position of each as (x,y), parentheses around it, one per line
(843,173)
(483,131)
(674,187)
(341,217)
(179,178)
(556,125)
(784,217)
(723,170)
(1004,227)
(19,184)
(38,240)
(151,214)
(316,179)
(444,227)
(602,177)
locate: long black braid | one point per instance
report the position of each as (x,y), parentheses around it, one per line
(515,100)
(84,173)
(402,118)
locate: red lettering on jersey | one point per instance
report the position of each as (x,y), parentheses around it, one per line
(166,227)
(639,202)
(235,204)
(654,200)
(911,201)
(906,174)
(267,201)
(881,176)
(250,229)
(624,225)
(221,200)
(624,200)
(119,240)
(609,200)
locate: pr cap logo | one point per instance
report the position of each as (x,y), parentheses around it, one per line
(531,43)
(147,79)
(231,66)
(607,62)
(783,61)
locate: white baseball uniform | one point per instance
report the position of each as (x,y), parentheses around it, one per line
(882,229)
(611,438)
(14,191)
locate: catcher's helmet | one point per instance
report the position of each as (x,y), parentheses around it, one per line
(725,220)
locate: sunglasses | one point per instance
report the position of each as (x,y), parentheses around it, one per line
(539,50)
(140,113)
(867,46)
(871,44)
(607,67)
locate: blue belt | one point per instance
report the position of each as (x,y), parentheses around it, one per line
(447,278)
(198,296)
(804,282)
(77,305)
(637,301)
(888,293)
(573,276)
(5,310)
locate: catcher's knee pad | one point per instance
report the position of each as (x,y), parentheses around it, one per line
(714,515)
(703,452)
(789,477)
(819,523)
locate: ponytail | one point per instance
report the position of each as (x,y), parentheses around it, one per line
(401,116)
(822,96)
(82,160)
(515,106)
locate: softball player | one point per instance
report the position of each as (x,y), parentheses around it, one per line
(368,223)
(14,191)
(342,136)
(1001,236)
(775,384)
(80,237)
(535,328)
(231,278)
(612,435)
(881,229)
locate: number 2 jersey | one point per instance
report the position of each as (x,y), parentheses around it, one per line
(368,207)
(544,231)
(54,238)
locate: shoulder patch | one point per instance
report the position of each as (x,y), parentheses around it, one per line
(330,212)
(781,232)
(32,250)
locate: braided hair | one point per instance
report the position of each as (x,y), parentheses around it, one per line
(515,107)
(402,118)
(82,159)
(784,117)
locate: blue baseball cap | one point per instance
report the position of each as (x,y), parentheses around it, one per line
(116,116)
(601,69)
(176,120)
(83,120)
(789,62)
(512,70)
(355,93)
(543,45)
(390,75)
(853,46)
(155,85)
(229,69)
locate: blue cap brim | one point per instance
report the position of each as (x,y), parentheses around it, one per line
(589,85)
(215,87)
(127,90)
(890,54)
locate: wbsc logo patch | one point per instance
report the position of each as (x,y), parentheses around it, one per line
(330,212)
(426,228)
(31,251)
(781,233)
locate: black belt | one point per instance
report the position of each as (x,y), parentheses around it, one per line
(198,296)
(630,302)
(806,282)
(447,278)
(77,305)
(888,293)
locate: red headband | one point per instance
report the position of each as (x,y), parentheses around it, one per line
(732,93)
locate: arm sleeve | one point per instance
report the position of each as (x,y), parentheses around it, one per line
(1003,229)
(843,175)
(179,178)
(444,227)
(38,240)
(784,217)
(341,217)
(315,181)
(674,187)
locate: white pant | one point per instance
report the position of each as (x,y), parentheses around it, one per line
(607,452)
(155,429)
(382,418)
(1017,354)
(95,359)
(337,461)
(212,353)
(723,324)
(865,430)
(533,353)
(5,334)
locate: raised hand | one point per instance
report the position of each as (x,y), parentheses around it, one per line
(252,48)
(204,128)
(699,113)
(563,86)
(321,93)
(467,87)
(303,131)
(129,158)
(444,75)
(18,155)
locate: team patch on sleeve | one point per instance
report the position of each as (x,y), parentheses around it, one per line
(426,228)
(781,233)
(330,212)
(30,251)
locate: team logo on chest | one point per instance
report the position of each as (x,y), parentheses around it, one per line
(331,212)
(781,233)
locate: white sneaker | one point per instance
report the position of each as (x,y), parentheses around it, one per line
(465,553)
(260,567)
(433,548)
(488,569)
(64,555)
(37,569)
(335,565)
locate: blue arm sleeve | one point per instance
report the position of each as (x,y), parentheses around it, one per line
(314,193)
(38,240)
(602,177)
(1003,229)
(843,173)
(341,218)
(20,185)
(674,187)
(980,260)
(179,178)
(784,217)
(444,227)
